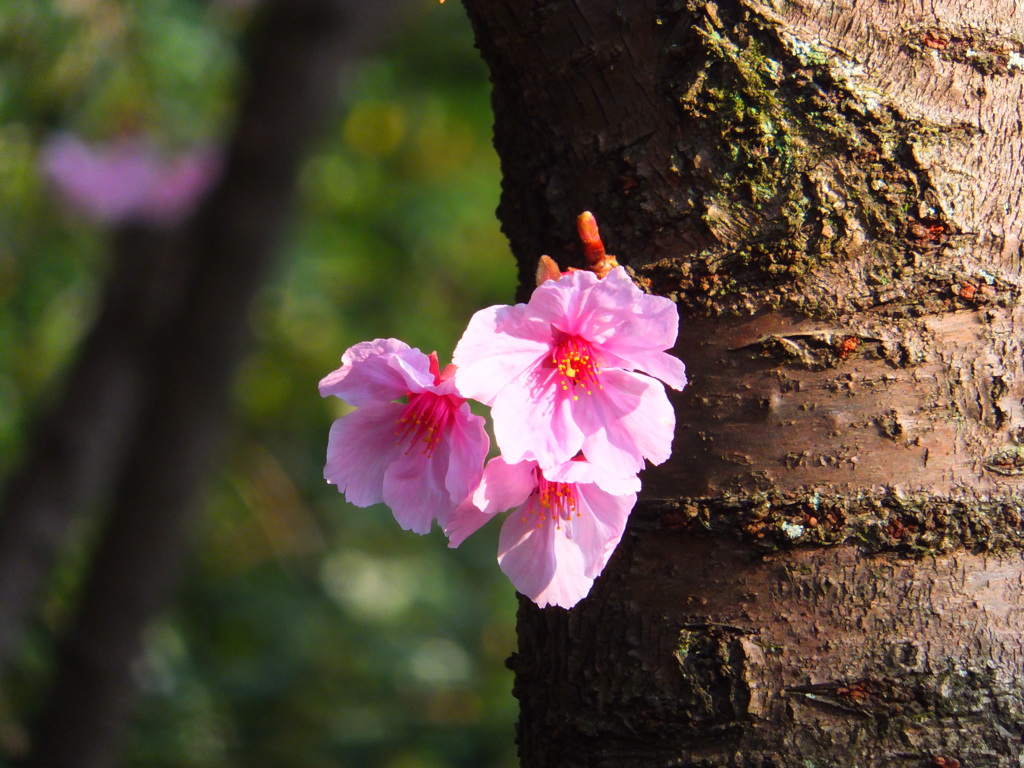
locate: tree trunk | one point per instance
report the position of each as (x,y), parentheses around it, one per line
(79,449)
(294,60)
(827,572)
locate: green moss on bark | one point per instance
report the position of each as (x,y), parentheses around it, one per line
(789,165)
(916,526)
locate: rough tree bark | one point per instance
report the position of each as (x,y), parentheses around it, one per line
(828,570)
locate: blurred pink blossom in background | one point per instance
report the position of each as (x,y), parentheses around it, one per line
(128,179)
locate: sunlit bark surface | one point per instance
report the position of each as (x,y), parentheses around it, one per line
(827,572)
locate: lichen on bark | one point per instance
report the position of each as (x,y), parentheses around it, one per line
(790,165)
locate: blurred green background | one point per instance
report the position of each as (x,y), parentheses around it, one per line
(308,632)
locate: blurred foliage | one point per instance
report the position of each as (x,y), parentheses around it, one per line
(309,633)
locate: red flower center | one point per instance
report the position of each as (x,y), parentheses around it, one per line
(425,419)
(578,365)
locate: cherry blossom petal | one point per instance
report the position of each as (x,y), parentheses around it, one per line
(631,420)
(359,449)
(608,307)
(598,529)
(533,418)
(468,444)
(558,302)
(640,340)
(652,322)
(652,425)
(379,370)
(557,564)
(505,485)
(541,562)
(466,520)
(502,486)
(660,365)
(499,344)
(415,488)
(578,472)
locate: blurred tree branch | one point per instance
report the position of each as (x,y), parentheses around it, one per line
(145,405)
(81,445)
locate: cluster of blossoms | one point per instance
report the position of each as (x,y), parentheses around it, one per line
(573,379)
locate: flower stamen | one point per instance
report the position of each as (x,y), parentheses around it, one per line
(578,365)
(555,500)
(425,419)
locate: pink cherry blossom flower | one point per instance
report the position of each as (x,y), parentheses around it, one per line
(421,457)
(567,521)
(127,179)
(561,372)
